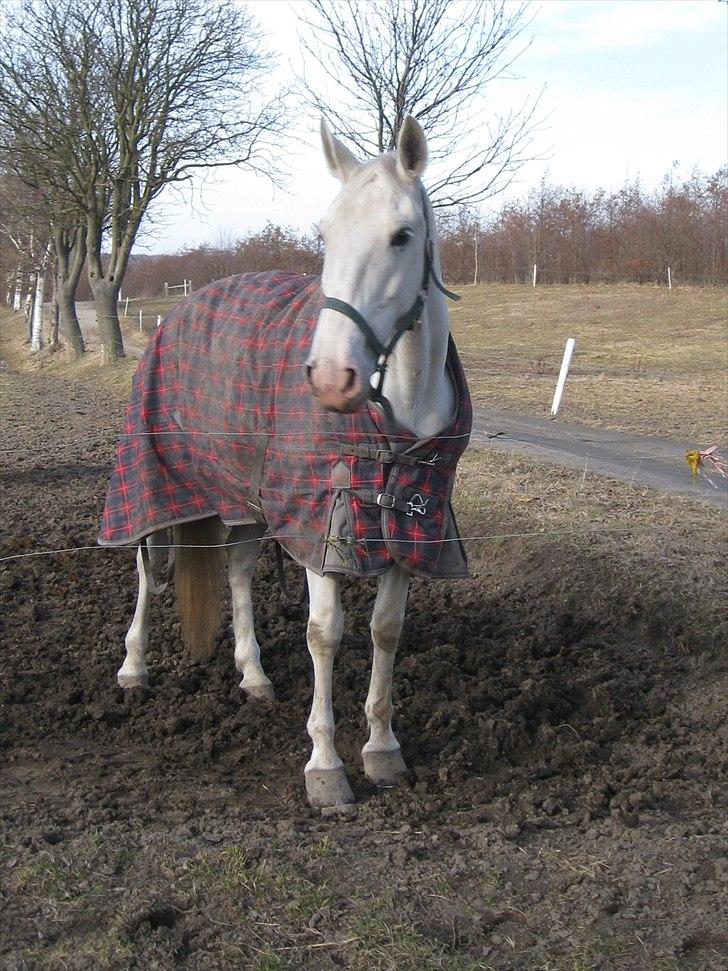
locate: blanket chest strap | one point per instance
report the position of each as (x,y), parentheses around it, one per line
(387,501)
(384,455)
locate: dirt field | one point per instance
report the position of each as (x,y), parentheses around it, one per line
(563,713)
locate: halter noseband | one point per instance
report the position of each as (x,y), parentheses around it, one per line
(406,322)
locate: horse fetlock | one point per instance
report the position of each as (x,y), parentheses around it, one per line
(385,768)
(378,711)
(328,787)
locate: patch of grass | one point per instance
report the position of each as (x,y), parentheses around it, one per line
(269,960)
(392,946)
(647,360)
(52,877)
(592,955)
(231,872)
(491,879)
(97,949)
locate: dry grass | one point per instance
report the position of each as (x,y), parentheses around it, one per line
(151,309)
(88,369)
(647,360)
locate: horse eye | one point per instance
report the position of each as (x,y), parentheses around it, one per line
(401,238)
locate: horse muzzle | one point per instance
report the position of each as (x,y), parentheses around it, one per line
(336,388)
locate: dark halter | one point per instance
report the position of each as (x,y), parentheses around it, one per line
(406,322)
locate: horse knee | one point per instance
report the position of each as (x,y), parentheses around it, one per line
(386,632)
(324,636)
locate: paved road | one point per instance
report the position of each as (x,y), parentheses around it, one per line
(655,462)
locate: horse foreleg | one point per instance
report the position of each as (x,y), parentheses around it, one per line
(241,567)
(133,672)
(383,762)
(326,783)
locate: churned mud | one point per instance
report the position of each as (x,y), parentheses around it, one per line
(565,728)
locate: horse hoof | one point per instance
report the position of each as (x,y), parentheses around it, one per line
(385,769)
(132,680)
(262,693)
(328,787)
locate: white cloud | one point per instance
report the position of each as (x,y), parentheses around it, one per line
(575,26)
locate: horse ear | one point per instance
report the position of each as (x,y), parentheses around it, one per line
(339,159)
(411,150)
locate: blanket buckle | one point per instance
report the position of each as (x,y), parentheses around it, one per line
(419,506)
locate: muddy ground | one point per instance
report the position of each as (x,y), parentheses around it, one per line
(566,733)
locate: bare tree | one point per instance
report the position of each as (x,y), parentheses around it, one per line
(149,91)
(436,60)
(25,252)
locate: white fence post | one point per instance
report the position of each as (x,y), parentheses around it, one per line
(565,365)
(159,319)
(534,275)
(166,289)
(126,307)
(140,322)
(669,279)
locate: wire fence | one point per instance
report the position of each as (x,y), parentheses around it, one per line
(292,537)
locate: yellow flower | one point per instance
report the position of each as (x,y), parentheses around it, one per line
(693,459)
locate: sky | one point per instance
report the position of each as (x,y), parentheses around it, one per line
(627,88)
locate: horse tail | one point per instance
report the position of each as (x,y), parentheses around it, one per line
(197,570)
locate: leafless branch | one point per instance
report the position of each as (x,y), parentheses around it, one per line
(436,60)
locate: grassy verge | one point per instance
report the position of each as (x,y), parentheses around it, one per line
(88,369)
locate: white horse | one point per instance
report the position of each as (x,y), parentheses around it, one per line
(376,234)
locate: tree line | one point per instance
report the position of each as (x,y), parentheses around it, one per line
(577,236)
(105,103)
(573,236)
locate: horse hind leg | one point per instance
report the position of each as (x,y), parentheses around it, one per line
(241,567)
(133,672)
(382,756)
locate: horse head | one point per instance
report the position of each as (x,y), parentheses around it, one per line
(377,263)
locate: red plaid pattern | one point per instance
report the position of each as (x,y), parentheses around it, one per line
(221,422)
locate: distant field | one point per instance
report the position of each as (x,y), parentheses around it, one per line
(647,360)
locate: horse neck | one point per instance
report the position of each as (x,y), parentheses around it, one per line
(417,383)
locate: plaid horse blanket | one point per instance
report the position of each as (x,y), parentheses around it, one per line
(221,422)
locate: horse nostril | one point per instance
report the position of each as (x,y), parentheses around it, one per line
(309,373)
(350,379)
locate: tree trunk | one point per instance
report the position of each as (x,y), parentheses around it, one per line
(53,341)
(106,297)
(70,327)
(36,330)
(29,306)
(70,252)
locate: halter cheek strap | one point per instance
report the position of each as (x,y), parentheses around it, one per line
(404,323)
